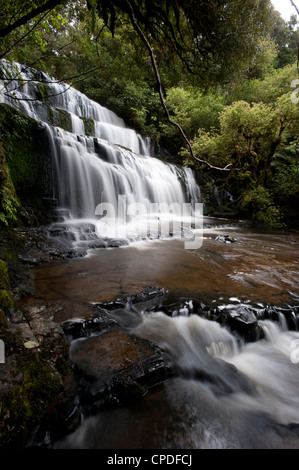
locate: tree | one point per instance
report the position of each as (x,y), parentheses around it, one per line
(214,40)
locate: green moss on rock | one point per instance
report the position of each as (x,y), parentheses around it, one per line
(42,92)
(6,300)
(25,405)
(89,126)
(4,278)
(26,160)
(64,119)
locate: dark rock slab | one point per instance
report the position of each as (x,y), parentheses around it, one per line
(82,328)
(115,367)
(146,299)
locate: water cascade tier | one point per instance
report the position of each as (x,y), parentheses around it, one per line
(102,170)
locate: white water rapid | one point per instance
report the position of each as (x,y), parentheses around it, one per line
(100,164)
(226,396)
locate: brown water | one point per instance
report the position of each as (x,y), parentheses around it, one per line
(258,268)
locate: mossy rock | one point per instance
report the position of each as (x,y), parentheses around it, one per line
(6,300)
(89,126)
(42,92)
(64,120)
(27,402)
(4,278)
(3,319)
(27,157)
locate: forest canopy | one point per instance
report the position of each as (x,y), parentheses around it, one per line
(226,72)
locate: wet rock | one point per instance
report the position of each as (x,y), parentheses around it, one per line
(82,328)
(117,242)
(243,321)
(226,239)
(91,244)
(115,367)
(15,315)
(147,299)
(289,316)
(40,326)
(123,312)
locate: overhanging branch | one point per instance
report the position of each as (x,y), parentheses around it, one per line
(296,8)
(160,90)
(48,6)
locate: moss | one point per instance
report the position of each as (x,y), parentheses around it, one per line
(29,169)
(3,319)
(42,92)
(6,300)
(63,119)
(51,116)
(89,126)
(4,278)
(26,404)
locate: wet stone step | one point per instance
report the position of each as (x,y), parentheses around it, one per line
(123,311)
(115,368)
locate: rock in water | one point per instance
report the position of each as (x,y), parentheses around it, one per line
(115,367)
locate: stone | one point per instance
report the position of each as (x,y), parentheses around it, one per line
(226,239)
(116,367)
(82,328)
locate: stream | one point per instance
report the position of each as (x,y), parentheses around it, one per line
(257,410)
(224,391)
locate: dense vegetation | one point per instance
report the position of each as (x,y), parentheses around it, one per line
(224,70)
(227,71)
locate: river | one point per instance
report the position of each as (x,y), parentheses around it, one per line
(257,269)
(98,164)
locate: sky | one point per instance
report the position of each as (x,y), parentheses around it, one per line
(285,8)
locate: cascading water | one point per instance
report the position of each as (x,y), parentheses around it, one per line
(225,395)
(96,157)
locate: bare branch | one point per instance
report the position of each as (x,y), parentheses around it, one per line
(160,90)
(296,8)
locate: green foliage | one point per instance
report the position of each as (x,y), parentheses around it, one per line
(193,110)
(4,279)
(263,60)
(237,49)
(9,202)
(259,139)
(258,204)
(266,90)
(6,300)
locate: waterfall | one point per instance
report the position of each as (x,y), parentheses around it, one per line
(96,158)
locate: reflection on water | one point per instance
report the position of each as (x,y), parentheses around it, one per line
(227,395)
(256,268)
